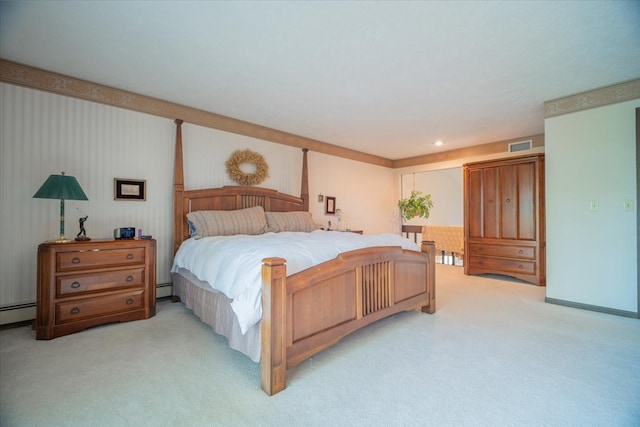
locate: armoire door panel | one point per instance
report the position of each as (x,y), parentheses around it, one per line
(508,202)
(490,204)
(474,203)
(526,201)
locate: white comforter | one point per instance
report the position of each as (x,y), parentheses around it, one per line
(233,264)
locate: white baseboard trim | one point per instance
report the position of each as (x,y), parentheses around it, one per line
(19,313)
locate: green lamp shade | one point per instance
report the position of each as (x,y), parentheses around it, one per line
(62,187)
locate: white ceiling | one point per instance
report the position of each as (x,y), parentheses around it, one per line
(385,78)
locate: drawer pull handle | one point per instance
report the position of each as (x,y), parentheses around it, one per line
(75,310)
(129,278)
(129,301)
(75,285)
(490,201)
(520,267)
(508,200)
(129,256)
(520,251)
(75,260)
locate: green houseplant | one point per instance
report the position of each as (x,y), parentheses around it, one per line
(418,205)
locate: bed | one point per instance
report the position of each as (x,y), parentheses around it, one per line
(305,311)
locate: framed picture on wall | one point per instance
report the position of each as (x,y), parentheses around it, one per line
(129,189)
(330,205)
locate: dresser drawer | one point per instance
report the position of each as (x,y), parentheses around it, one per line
(501,264)
(524,252)
(95,258)
(70,311)
(68,285)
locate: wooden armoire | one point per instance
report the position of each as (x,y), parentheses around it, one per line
(504,218)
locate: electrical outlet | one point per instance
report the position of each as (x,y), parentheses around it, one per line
(594,206)
(628,205)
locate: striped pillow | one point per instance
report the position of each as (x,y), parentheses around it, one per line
(226,223)
(290,221)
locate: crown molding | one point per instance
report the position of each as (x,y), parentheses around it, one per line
(497,148)
(613,94)
(36,78)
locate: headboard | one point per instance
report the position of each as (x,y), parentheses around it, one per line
(227,197)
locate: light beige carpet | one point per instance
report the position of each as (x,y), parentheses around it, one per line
(494,354)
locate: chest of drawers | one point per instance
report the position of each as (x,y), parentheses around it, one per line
(85,284)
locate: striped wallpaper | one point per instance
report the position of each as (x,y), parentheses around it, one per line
(43,133)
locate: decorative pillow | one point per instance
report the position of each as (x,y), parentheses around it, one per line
(290,221)
(192,229)
(226,223)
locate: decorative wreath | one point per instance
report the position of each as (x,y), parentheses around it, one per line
(247,156)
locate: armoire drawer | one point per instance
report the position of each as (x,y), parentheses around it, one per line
(483,249)
(512,265)
(85,308)
(97,258)
(106,280)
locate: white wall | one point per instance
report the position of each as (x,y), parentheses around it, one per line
(365,193)
(592,256)
(43,134)
(446,187)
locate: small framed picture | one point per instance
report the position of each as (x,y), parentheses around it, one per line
(330,205)
(129,189)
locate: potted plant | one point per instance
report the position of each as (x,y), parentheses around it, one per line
(418,205)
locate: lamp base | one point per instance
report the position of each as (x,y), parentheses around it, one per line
(60,240)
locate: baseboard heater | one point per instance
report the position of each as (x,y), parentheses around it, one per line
(24,312)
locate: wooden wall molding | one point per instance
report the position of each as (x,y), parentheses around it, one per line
(36,78)
(613,94)
(499,147)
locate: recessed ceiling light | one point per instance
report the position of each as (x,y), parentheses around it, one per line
(438,143)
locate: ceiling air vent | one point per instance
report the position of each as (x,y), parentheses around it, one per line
(520,146)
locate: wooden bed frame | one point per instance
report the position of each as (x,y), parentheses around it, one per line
(309,311)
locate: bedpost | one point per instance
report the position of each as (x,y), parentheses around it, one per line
(429,248)
(178,189)
(273,356)
(304,191)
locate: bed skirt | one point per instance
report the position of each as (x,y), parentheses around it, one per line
(214,309)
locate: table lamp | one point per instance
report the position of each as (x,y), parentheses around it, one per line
(61,187)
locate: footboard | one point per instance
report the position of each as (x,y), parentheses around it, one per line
(312,310)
